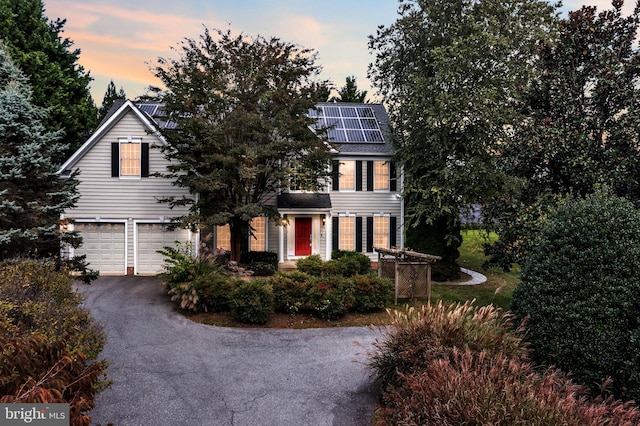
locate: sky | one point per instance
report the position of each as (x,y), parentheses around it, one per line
(121,39)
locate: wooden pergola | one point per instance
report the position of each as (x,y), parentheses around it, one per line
(410,271)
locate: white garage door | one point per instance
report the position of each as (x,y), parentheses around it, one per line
(151,238)
(104,246)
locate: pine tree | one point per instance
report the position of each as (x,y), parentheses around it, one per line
(350,92)
(50,62)
(110,96)
(32,196)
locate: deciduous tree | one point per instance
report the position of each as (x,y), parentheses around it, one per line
(582,126)
(448,71)
(240,106)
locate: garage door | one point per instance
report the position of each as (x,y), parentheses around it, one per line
(104,245)
(151,238)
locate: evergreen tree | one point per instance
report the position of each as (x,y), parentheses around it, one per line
(350,92)
(241,107)
(50,63)
(32,196)
(110,97)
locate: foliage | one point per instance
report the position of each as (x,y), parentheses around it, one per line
(350,263)
(350,93)
(48,342)
(262,263)
(36,297)
(110,96)
(289,291)
(311,265)
(581,129)
(241,106)
(431,238)
(468,387)
(32,195)
(371,293)
(253,302)
(34,369)
(59,83)
(580,290)
(420,336)
(181,265)
(215,291)
(448,72)
(329,297)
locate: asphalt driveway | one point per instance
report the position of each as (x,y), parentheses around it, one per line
(168,370)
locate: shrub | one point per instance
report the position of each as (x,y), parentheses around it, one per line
(484,388)
(249,257)
(289,291)
(34,369)
(262,269)
(311,265)
(252,302)
(371,292)
(181,266)
(351,263)
(330,297)
(420,336)
(580,289)
(37,297)
(215,291)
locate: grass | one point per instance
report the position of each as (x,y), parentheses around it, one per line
(497,291)
(499,286)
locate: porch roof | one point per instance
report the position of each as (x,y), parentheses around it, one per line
(304,201)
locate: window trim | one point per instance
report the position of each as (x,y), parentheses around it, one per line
(379,215)
(388,176)
(340,174)
(116,158)
(355,233)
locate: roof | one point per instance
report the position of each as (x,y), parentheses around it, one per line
(373,146)
(304,200)
(119,109)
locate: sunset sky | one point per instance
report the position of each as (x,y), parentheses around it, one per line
(120,39)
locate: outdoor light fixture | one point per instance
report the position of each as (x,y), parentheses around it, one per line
(324,219)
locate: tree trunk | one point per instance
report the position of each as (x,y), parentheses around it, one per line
(239,230)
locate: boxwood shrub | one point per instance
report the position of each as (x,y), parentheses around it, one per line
(289,291)
(252,302)
(580,290)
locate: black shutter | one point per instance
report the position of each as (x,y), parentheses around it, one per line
(115,159)
(369,175)
(392,231)
(359,234)
(393,185)
(358,175)
(335,174)
(369,234)
(144,160)
(335,232)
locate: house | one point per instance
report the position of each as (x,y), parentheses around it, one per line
(123,225)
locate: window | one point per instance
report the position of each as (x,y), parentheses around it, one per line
(347,176)
(380,175)
(347,233)
(381,231)
(223,237)
(258,241)
(129,158)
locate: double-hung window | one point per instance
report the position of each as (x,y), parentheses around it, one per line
(258,239)
(380,175)
(347,175)
(347,232)
(129,158)
(381,230)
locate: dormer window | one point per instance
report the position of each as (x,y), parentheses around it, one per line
(129,158)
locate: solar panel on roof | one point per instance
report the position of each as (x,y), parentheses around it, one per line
(347,124)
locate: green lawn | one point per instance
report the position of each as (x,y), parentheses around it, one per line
(499,285)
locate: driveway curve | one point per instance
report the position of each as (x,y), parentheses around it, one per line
(170,371)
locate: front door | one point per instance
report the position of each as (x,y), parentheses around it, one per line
(303,236)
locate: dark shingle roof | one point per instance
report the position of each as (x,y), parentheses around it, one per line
(304,201)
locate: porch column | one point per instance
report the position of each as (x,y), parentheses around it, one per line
(281,243)
(328,232)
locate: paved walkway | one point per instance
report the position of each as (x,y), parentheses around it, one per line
(168,370)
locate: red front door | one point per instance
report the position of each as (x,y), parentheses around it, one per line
(303,236)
